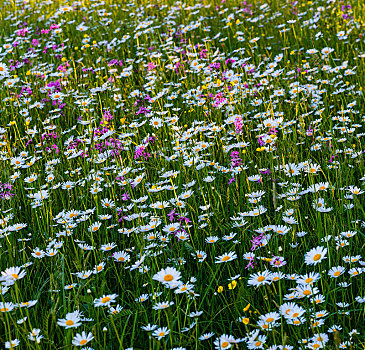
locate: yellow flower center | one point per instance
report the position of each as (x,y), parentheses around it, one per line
(317,257)
(168,278)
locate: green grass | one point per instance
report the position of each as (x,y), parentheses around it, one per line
(280,84)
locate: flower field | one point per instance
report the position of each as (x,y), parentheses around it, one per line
(182,175)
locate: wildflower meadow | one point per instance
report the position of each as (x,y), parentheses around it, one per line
(182,175)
